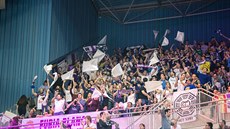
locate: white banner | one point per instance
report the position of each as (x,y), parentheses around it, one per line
(153,85)
(184,104)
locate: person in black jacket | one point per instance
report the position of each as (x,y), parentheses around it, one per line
(105,122)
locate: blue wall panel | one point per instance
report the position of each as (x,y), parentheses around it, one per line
(34,32)
(24,47)
(199,28)
(74,23)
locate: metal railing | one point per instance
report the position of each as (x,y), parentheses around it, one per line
(206,111)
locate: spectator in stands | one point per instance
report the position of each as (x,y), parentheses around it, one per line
(22,105)
(82,102)
(68,96)
(14,122)
(88,123)
(163,80)
(92,104)
(59,104)
(44,101)
(141,126)
(168,92)
(222,125)
(39,96)
(204,77)
(174,124)
(208,125)
(74,107)
(45,86)
(143,95)
(189,85)
(165,116)
(228,89)
(173,80)
(101,120)
(181,82)
(195,81)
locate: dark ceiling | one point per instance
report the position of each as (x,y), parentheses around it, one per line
(121,10)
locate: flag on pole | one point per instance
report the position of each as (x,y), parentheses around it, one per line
(99,55)
(68,75)
(103,40)
(90,65)
(117,70)
(90,50)
(155,34)
(167,31)
(48,68)
(102,44)
(180,37)
(55,79)
(154,60)
(165,42)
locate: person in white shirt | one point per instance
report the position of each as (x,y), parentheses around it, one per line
(174,124)
(88,123)
(173,80)
(181,83)
(59,104)
(68,96)
(44,101)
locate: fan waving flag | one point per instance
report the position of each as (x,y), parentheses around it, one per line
(99,55)
(68,75)
(48,68)
(55,79)
(117,70)
(165,42)
(90,65)
(154,60)
(90,50)
(180,37)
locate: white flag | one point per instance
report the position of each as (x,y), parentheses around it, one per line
(7,117)
(155,34)
(68,75)
(154,60)
(153,85)
(55,78)
(165,42)
(48,68)
(180,37)
(35,78)
(96,93)
(167,31)
(90,65)
(117,70)
(99,55)
(103,40)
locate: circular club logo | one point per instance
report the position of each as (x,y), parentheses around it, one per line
(184,104)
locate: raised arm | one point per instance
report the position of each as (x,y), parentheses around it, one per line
(63,85)
(34,93)
(47,96)
(134,58)
(51,75)
(68,106)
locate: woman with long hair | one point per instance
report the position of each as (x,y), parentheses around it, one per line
(22,105)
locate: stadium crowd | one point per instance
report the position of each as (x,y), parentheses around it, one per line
(189,66)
